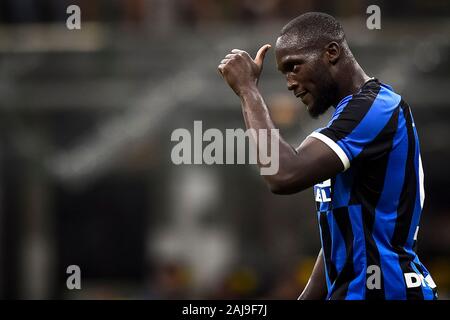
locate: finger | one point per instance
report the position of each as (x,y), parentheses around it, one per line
(224,61)
(237,50)
(230,55)
(261,54)
(220,68)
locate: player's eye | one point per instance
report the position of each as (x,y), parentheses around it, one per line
(290,67)
(296,68)
(293,67)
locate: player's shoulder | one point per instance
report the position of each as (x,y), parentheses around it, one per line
(377,96)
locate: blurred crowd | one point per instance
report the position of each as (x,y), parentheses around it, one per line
(201,13)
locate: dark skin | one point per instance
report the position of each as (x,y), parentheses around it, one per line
(316,288)
(321,76)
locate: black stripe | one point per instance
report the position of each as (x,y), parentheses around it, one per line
(368,187)
(406,207)
(355,110)
(326,243)
(414,246)
(347,274)
(372,253)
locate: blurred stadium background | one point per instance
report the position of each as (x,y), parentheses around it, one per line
(85,124)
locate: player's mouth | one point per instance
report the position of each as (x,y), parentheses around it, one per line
(301,95)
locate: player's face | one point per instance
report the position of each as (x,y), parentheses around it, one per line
(308,76)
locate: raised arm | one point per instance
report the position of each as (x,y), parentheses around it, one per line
(313,161)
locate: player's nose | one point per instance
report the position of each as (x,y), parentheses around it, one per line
(292,85)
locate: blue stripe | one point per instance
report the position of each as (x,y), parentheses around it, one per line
(425,272)
(339,108)
(357,288)
(417,209)
(371,125)
(338,250)
(426,291)
(386,214)
(342,189)
(323,254)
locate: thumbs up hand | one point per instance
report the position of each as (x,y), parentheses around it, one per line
(240,71)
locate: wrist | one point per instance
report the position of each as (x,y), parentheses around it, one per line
(248,91)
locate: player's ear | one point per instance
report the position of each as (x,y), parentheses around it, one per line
(332,52)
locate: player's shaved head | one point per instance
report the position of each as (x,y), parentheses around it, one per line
(313,54)
(311,30)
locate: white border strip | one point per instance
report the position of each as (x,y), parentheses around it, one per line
(422,189)
(334,146)
(415,233)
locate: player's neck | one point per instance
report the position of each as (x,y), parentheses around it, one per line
(354,78)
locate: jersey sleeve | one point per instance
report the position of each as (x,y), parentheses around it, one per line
(363,125)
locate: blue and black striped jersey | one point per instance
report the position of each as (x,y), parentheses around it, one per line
(369,213)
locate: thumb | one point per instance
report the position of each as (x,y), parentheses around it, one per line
(261,53)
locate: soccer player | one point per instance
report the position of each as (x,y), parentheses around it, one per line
(365,165)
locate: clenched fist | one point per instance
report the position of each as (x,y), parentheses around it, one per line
(240,71)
